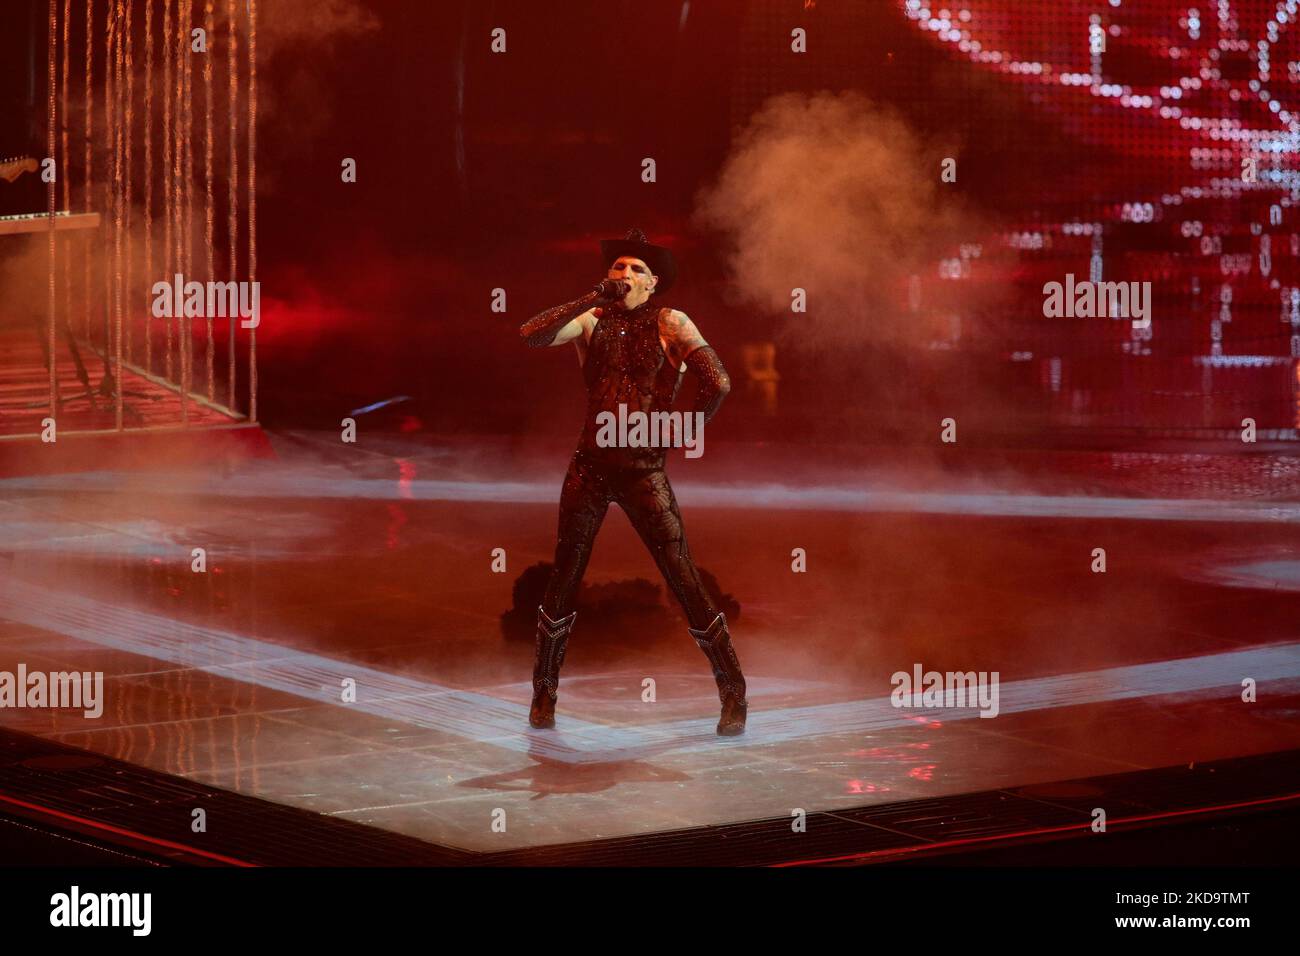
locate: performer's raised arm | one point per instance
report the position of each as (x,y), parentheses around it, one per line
(561,323)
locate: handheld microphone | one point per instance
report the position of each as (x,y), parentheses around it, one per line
(613,288)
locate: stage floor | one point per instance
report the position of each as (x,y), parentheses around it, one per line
(373,564)
(148,401)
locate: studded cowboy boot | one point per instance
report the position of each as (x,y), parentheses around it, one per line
(715,642)
(552,638)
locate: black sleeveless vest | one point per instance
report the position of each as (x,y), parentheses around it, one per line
(626,365)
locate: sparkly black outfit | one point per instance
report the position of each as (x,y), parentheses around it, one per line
(626,364)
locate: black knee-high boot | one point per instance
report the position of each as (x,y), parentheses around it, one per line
(715,642)
(552,638)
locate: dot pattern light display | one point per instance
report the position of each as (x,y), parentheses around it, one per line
(1191,109)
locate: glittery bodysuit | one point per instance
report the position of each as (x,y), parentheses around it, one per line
(632,364)
(625,364)
(624,361)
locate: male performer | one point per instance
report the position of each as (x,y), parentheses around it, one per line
(633,352)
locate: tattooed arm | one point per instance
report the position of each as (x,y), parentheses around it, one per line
(686,347)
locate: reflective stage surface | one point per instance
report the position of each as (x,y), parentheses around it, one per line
(371,567)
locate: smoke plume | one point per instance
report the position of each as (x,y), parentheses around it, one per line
(837,196)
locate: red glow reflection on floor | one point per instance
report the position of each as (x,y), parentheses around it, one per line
(861,786)
(396,521)
(879,752)
(406,472)
(405,475)
(927,722)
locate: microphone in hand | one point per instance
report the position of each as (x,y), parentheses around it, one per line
(613,288)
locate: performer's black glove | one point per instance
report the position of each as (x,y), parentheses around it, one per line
(714,382)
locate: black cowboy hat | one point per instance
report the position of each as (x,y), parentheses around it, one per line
(635,244)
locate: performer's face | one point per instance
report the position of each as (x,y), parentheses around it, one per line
(638,273)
